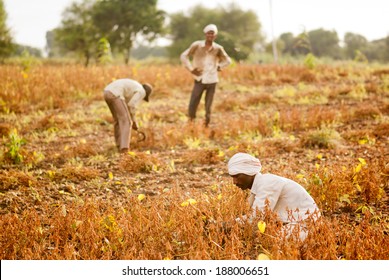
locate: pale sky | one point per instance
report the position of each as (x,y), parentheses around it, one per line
(30,19)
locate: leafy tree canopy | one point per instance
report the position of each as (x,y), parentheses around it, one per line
(353,43)
(121,21)
(77,32)
(324,43)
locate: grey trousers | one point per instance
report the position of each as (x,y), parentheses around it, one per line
(195,98)
(122,121)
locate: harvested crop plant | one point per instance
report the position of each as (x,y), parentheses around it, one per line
(65,192)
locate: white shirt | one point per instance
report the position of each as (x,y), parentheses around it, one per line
(206,60)
(132,92)
(287,198)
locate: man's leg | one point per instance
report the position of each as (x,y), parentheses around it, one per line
(195,98)
(209,94)
(109,99)
(122,125)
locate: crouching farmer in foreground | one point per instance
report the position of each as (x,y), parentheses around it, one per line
(289,200)
(123,97)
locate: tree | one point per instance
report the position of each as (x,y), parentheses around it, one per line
(289,44)
(378,50)
(6,45)
(353,43)
(302,44)
(77,31)
(53,47)
(20,49)
(236,50)
(243,27)
(324,43)
(121,21)
(237,35)
(288,41)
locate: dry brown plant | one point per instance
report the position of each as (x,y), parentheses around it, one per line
(66,192)
(138,162)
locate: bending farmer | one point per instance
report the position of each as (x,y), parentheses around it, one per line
(288,199)
(123,97)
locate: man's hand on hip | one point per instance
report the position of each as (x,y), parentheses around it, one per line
(197,71)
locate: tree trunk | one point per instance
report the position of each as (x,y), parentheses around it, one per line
(127,56)
(87,58)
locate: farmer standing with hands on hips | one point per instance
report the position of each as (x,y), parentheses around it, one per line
(289,200)
(208,58)
(123,97)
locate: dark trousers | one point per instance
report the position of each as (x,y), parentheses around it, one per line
(195,98)
(121,117)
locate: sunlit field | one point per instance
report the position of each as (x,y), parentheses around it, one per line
(66,193)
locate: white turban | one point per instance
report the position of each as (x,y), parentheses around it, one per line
(242,163)
(210,27)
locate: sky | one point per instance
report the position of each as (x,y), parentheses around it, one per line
(29,20)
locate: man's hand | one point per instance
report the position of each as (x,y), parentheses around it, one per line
(197,72)
(134,126)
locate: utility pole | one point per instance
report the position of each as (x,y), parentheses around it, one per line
(274,42)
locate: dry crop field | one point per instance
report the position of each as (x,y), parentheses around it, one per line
(65,192)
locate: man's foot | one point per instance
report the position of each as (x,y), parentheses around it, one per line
(124,151)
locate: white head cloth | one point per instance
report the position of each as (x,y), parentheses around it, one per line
(242,163)
(210,27)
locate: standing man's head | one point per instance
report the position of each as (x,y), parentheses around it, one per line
(210,32)
(242,168)
(148,89)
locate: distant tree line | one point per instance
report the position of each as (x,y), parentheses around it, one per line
(129,26)
(325,43)
(7,45)
(101,29)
